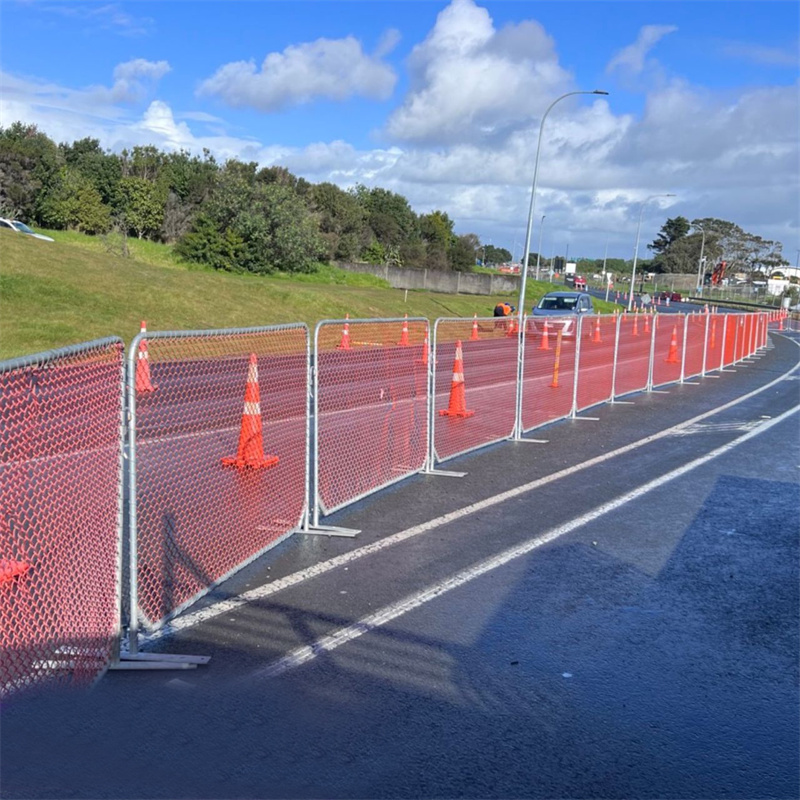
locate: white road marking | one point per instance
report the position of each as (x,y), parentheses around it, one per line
(190,620)
(326,644)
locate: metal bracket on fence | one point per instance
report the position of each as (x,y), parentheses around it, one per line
(445,473)
(329,530)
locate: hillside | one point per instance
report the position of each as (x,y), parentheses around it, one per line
(72,290)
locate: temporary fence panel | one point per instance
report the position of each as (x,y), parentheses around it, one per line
(695,334)
(740,347)
(596,359)
(60,514)
(714,342)
(632,368)
(668,349)
(218,456)
(474,383)
(548,369)
(371,406)
(731,329)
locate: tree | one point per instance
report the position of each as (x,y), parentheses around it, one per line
(499,255)
(143,202)
(671,231)
(72,201)
(744,252)
(462,252)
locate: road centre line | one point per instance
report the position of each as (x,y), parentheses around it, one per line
(192,619)
(326,644)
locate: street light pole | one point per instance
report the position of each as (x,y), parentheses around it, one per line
(700,265)
(539,251)
(636,248)
(524,276)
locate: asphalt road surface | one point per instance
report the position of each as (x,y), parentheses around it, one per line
(612,613)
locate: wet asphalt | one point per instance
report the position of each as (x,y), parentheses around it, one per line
(649,652)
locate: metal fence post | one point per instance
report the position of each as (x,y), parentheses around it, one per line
(722,341)
(616,356)
(705,347)
(683,353)
(578,337)
(653,329)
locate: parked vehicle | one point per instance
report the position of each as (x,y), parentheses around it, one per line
(23,228)
(561,309)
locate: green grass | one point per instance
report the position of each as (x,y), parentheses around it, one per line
(74,289)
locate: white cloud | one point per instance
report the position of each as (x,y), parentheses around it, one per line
(631,59)
(333,69)
(133,79)
(471,82)
(109,16)
(761,54)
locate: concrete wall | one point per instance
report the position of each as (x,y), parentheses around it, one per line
(437,281)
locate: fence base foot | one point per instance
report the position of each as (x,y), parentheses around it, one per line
(329,530)
(130,661)
(623,403)
(444,473)
(533,441)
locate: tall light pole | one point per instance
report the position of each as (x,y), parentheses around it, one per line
(539,251)
(605,274)
(524,276)
(636,248)
(700,265)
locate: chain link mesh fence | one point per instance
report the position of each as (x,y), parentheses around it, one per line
(548,370)
(475,383)
(595,359)
(632,369)
(220,457)
(60,514)
(668,349)
(371,406)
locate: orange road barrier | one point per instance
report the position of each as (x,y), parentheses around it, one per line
(474,336)
(672,357)
(251,448)
(344,344)
(545,344)
(780,323)
(458,403)
(557,362)
(404,334)
(596,336)
(143,382)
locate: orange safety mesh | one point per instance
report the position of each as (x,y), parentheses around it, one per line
(714,342)
(729,350)
(633,356)
(199,519)
(60,484)
(596,359)
(695,337)
(668,349)
(548,371)
(372,407)
(490,383)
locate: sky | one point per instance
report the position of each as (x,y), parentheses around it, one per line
(443,101)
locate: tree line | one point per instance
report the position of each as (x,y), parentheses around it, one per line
(233,216)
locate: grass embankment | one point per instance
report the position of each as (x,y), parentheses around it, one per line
(72,290)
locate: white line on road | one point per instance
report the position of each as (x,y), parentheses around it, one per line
(326,644)
(190,620)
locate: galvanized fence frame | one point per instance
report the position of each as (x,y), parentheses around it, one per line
(580,345)
(318,506)
(135,617)
(51,356)
(433,361)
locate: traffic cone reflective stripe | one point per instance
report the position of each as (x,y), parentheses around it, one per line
(474,336)
(251,449)
(545,344)
(458,404)
(344,344)
(404,334)
(672,357)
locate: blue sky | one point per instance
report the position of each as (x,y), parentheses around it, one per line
(441,101)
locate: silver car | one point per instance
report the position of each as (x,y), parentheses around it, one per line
(562,310)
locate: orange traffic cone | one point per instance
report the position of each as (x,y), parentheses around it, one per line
(474,337)
(544,344)
(458,403)
(672,357)
(596,336)
(251,449)
(780,323)
(404,334)
(424,359)
(143,383)
(635,331)
(344,344)
(646,322)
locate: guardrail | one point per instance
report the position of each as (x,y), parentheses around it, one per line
(237,439)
